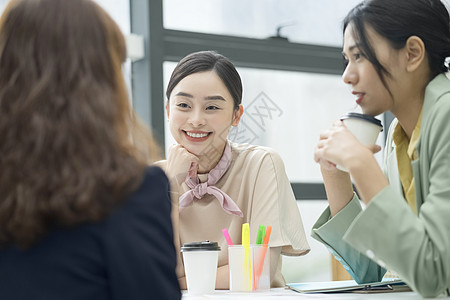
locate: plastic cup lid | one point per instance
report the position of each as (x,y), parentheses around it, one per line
(200,246)
(364,117)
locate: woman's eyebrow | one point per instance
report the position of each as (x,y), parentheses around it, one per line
(217,97)
(187,95)
(351,48)
(183,94)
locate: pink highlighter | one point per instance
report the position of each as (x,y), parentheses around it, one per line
(227,237)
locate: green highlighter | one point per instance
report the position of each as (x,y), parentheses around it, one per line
(261,233)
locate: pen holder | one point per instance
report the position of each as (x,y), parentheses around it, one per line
(249,268)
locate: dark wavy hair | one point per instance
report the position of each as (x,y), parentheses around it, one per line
(397,20)
(203,61)
(68,150)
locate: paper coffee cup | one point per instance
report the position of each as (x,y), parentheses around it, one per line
(364,127)
(200,266)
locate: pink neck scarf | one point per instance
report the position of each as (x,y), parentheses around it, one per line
(198,190)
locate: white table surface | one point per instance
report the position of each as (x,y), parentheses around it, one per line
(285,294)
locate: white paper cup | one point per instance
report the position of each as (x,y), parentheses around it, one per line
(200,266)
(364,127)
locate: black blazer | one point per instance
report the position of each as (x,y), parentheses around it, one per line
(129,255)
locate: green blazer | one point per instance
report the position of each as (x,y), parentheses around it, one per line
(387,234)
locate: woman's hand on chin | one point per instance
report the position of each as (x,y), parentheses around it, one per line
(179,162)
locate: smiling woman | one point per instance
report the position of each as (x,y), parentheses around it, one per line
(201,112)
(218,184)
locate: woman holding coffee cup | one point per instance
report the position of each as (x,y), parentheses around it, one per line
(219,184)
(396,55)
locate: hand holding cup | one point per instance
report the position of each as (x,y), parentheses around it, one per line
(364,127)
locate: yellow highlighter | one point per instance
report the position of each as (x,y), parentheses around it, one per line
(247,262)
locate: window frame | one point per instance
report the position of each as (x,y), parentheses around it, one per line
(163,44)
